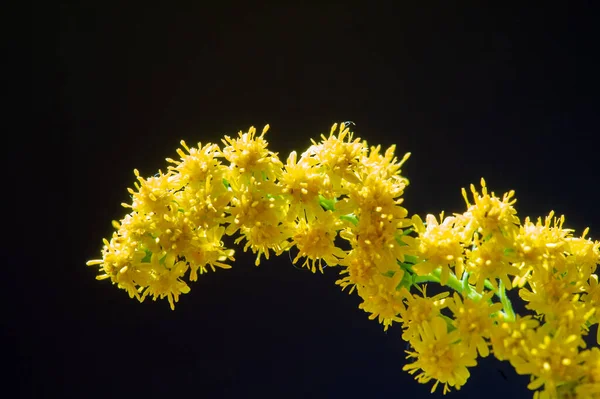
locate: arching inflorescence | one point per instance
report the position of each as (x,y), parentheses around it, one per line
(339,203)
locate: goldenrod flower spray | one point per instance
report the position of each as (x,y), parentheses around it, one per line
(342,190)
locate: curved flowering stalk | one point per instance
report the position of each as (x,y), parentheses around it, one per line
(486,252)
(341,190)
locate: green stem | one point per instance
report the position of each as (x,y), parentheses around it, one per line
(467,291)
(453,282)
(506,304)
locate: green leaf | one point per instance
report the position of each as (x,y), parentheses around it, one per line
(509,251)
(400,242)
(411,259)
(350,218)
(406,267)
(327,204)
(449,322)
(161,261)
(406,282)
(148,257)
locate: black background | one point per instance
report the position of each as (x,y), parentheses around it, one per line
(509,94)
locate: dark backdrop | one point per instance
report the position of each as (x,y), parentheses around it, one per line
(509,94)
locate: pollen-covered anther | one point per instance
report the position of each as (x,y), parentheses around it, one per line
(94,262)
(547,366)
(123,269)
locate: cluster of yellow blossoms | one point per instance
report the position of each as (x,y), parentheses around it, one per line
(339,204)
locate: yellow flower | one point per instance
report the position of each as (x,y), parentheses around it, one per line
(118,255)
(384,166)
(153,195)
(487,261)
(584,253)
(539,241)
(315,238)
(248,154)
(376,237)
(440,245)
(382,299)
(589,387)
(592,297)
(303,182)
(253,202)
(199,164)
(359,269)
(420,309)
(206,248)
(550,357)
(264,237)
(490,214)
(375,193)
(548,293)
(165,281)
(440,355)
(506,336)
(473,320)
(339,155)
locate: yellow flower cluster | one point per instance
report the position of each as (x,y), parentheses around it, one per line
(340,204)
(483,253)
